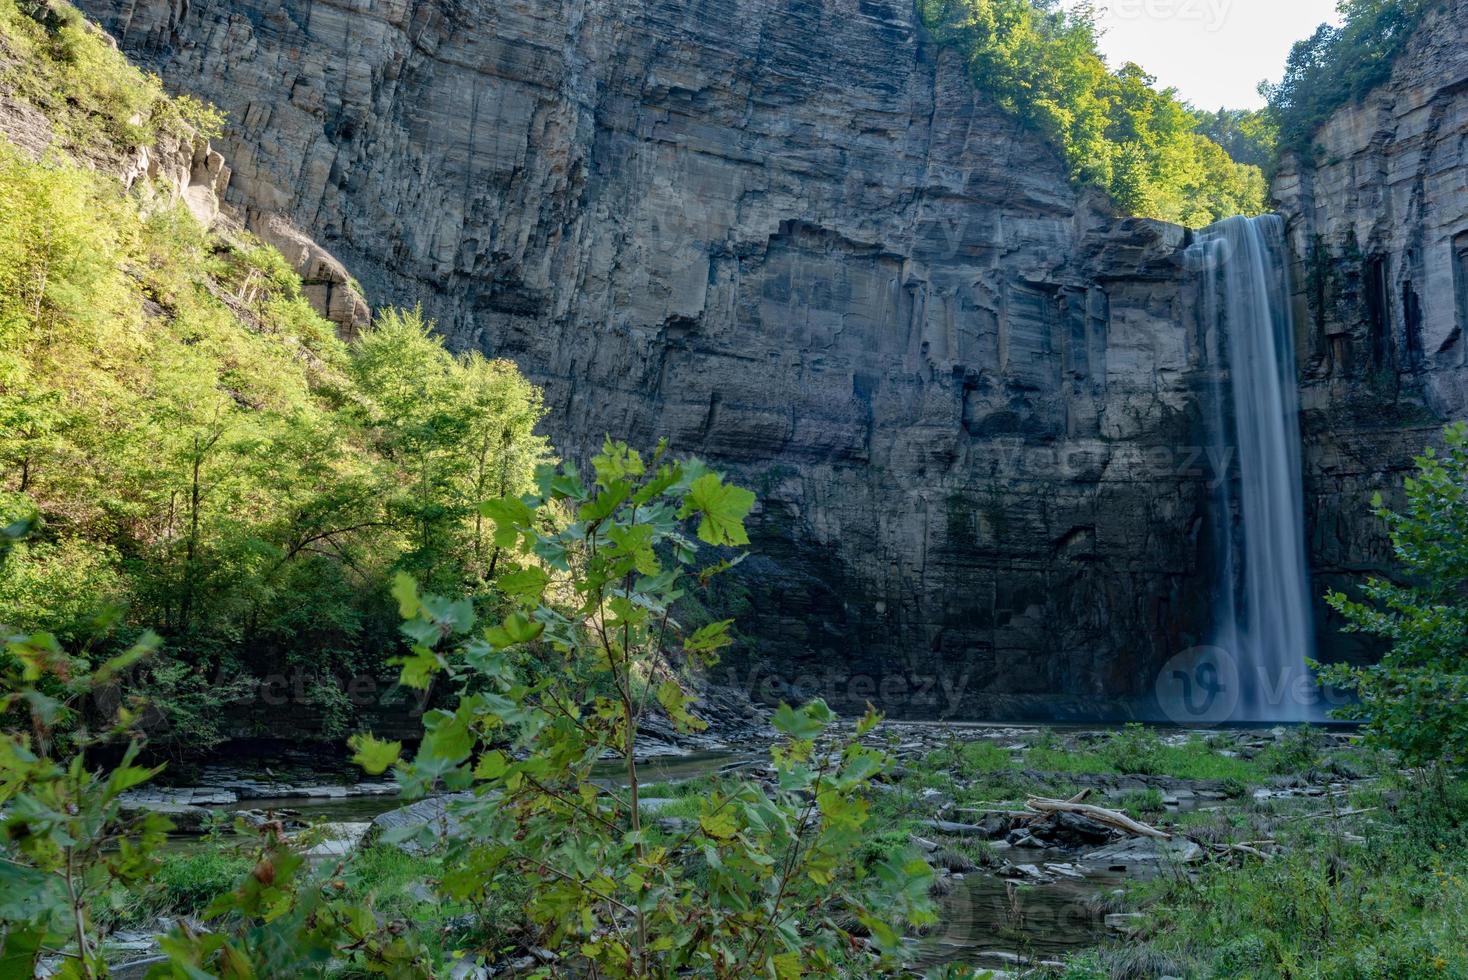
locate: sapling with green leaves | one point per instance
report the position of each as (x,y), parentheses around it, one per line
(64,838)
(1415,700)
(765,882)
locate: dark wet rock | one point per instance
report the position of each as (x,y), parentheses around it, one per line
(1145,851)
(418,827)
(1074,830)
(952,829)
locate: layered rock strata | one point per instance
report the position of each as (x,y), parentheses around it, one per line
(1378,217)
(792,237)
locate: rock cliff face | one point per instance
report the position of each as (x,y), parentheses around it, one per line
(789,235)
(1379,223)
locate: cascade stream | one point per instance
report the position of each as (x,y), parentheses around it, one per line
(1264,609)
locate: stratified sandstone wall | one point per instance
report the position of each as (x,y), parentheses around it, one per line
(1379,222)
(789,235)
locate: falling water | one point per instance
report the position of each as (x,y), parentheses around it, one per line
(1265,618)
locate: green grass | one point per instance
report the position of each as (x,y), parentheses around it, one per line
(184,885)
(1395,906)
(1135,750)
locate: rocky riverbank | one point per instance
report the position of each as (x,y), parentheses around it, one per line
(1033,831)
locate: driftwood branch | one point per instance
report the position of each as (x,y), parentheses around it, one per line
(1330,813)
(1111,818)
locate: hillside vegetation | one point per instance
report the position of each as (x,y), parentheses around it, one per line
(191,445)
(1336,66)
(1116,130)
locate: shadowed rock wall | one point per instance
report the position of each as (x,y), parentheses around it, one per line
(789,235)
(1379,222)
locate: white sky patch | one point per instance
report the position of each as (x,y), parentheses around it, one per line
(1214,52)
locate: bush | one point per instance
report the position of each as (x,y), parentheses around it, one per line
(1415,701)
(765,881)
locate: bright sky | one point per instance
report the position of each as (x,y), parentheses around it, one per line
(1214,52)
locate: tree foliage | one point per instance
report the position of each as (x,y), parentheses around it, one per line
(67,841)
(1248,136)
(1336,66)
(97,102)
(1416,699)
(1116,130)
(192,441)
(764,881)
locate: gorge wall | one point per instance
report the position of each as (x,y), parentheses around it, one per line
(792,237)
(789,235)
(1378,217)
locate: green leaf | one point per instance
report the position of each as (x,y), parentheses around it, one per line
(22,948)
(419,668)
(510,515)
(722,507)
(720,825)
(491,765)
(525,585)
(405,590)
(705,639)
(374,755)
(802,724)
(517,629)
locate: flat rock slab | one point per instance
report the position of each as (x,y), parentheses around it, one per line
(1146,850)
(419,827)
(952,829)
(340,839)
(187,818)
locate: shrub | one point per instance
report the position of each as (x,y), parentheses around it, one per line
(1415,701)
(762,883)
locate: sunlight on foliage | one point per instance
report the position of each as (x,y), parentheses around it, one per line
(1115,129)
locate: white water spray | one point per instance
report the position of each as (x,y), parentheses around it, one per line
(1265,609)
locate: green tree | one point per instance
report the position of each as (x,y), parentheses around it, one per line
(1336,66)
(1415,700)
(189,439)
(762,883)
(1116,130)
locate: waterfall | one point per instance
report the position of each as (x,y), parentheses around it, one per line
(1264,609)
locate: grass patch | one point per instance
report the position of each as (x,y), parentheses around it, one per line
(1139,751)
(184,885)
(1393,906)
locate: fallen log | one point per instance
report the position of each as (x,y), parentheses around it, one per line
(1111,818)
(1242,849)
(1329,813)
